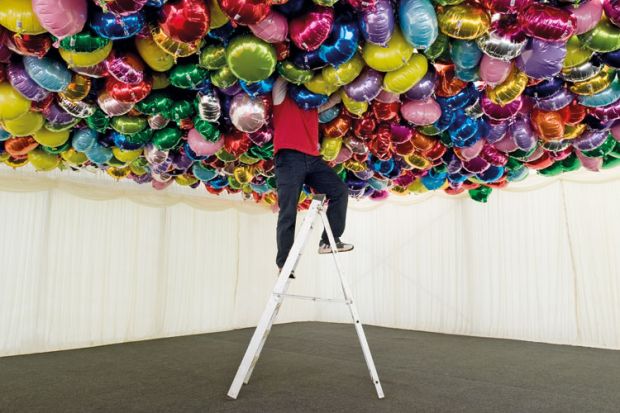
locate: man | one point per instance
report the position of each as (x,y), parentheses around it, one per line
(297,161)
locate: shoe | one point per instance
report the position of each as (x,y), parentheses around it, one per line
(292,275)
(324,247)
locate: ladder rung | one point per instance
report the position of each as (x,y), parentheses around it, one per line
(307,297)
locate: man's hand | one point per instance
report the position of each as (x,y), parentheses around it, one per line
(278,93)
(333,101)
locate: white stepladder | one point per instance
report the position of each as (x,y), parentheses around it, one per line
(279,293)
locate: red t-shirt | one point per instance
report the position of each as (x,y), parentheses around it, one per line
(295,128)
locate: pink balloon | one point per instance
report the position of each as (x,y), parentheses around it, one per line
(201,146)
(387,97)
(588,15)
(310,30)
(61,18)
(470,152)
(615,131)
(612,10)
(494,71)
(592,164)
(506,144)
(344,155)
(421,112)
(273,29)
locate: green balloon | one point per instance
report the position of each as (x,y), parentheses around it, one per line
(233,183)
(605,149)
(155,104)
(223,78)
(84,42)
(208,130)
(262,152)
(224,156)
(610,162)
(98,121)
(615,152)
(115,162)
(213,57)
(439,47)
(522,155)
(181,109)
(605,37)
(56,150)
(552,170)
(166,138)
(141,138)
(250,58)
(571,163)
(293,74)
(128,125)
(188,76)
(480,194)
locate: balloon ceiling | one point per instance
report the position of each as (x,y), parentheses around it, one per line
(450,95)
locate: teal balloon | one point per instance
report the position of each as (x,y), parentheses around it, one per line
(203,173)
(465,53)
(604,98)
(418,22)
(84,139)
(99,154)
(468,75)
(48,73)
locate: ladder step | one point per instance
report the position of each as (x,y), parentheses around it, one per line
(310,298)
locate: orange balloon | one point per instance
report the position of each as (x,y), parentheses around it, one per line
(548,125)
(337,128)
(422,142)
(20,146)
(447,82)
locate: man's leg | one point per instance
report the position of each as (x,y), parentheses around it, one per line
(324,180)
(290,174)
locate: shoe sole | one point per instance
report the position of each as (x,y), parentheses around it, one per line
(329,251)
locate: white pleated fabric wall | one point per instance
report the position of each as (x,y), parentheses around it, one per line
(89,262)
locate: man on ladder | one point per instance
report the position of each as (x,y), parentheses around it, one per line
(297,161)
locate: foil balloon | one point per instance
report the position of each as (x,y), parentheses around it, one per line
(377,23)
(185,21)
(541,59)
(606,97)
(153,55)
(61,18)
(124,7)
(294,74)
(586,71)
(366,86)
(466,22)
(465,53)
(605,37)
(341,45)
(418,22)
(248,114)
(391,57)
(612,11)
(23,83)
(246,12)
(587,15)
(272,29)
(425,87)
(47,73)
(19,17)
(209,107)
(421,112)
(309,31)
(251,59)
(344,73)
(306,99)
(113,27)
(506,6)
(217,17)
(510,89)
(547,22)
(501,47)
(126,68)
(403,79)
(494,71)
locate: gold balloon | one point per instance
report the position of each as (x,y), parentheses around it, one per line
(330,148)
(53,139)
(171,46)
(156,58)
(247,159)
(345,73)
(223,78)
(19,17)
(12,104)
(43,161)
(417,161)
(355,166)
(594,85)
(574,131)
(218,18)
(576,53)
(185,180)
(510,89)
(25,125)
(417,187)
(319,85)
(386,59)
(401,80)
(118,173)
(243,174)
(78,89)
(74,157)
(464,21)
(16,162)
(83,59)
(353,106)
(160,81)
(125,155)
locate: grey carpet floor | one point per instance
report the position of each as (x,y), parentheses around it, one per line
(315,367)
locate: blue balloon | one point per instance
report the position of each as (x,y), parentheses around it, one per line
(203,173)
(378,184)
(156,3)
(292,8)
(308,60)
(383,168)
(466,131)
(355,183)
(48,73)
(329,114)
(84,139)
(191,154)
(465,54)
(4,135)
(457,178)
(445,120)
(604,98)
(341,45)
(306,99)
(433,179)
(99,154)
(218,182)
(223,34)
(418,22)
(258,88)
(114,27)
(611,59)
(492,174)
(545,89)
(125,143)
(468,75)
(463,99)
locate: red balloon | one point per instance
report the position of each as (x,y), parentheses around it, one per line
(283,50)
(126,93)
(381,144)
(245,12)
(185,20)
(436,152)
(337,128)
(385,111)
(548,23)
(574,113)
(2,72)
(310,30)
(405,148)
(540,163)
(364,127)
(447,82)
(362,4)
(236,142)
(30,45)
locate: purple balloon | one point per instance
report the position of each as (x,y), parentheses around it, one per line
(496,131)
(366,86)
(232,90)
(590,139)
(425,87)
(607,113)
(19,79)
(522,133)
(542,59)
(55,114)
(377,23)
(498,112)
(556,102)
(180,160)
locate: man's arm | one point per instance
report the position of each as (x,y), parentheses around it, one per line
(279,91)
(333,101)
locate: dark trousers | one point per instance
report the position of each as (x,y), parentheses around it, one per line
(293,170)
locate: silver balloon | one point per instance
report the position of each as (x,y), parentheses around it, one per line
(154,156)
(500,47)
(158,121)
(248,114)
(78,109)
(111,106)
(209,107)
(475,110)
(582,72)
